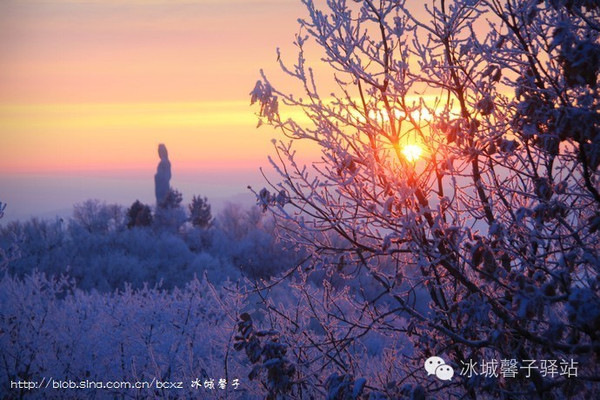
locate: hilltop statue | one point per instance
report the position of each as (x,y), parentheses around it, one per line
(163,175)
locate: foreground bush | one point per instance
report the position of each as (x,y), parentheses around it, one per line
(50,329)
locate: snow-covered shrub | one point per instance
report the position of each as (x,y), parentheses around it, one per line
(248,238)
(44,245)
(103,255)
(217,268)
(52,330)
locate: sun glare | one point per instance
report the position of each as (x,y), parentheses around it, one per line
(412,152)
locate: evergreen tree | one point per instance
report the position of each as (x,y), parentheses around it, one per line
(139,215)
(200,214)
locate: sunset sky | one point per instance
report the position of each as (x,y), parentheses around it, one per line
(90,88)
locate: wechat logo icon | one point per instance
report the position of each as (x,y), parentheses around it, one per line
(438,367)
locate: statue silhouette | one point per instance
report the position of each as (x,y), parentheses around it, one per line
(163,175)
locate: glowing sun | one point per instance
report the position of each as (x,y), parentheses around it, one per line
(412,152)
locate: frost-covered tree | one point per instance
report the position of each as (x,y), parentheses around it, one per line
(171,200)
(169,213)
(455,209)
(12,252)
(200,214)
(139,214)
(96,216)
